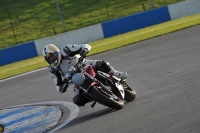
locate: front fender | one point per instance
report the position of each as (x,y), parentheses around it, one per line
(92,84)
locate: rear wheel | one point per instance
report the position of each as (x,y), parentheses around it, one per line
(130,93)
(106,98)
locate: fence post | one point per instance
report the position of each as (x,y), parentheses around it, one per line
(152,3)
(61,17)
(143,7)
(105,3)
(11,22)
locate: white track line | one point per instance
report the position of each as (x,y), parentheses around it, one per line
(23,74)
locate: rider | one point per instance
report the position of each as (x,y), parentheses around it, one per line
(61,60)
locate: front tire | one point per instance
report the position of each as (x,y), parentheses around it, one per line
(104,99)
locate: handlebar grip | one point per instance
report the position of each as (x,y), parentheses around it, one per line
(80,59)
(64,88)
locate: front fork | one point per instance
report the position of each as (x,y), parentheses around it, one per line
(86,89)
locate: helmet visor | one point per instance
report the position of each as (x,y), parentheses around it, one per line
(51,58)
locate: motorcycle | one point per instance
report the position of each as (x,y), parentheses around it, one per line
(100,87)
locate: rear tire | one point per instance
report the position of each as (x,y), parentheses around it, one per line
(106,100)
(130,94)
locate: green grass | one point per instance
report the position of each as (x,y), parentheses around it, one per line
(107,44)
(31,20)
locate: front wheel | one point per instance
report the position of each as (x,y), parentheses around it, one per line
(110,100)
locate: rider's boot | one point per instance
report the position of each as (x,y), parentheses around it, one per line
(118,74)
(81,100)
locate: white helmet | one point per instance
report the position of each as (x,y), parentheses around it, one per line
(52,54)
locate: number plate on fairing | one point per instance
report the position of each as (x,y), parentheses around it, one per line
(120,88)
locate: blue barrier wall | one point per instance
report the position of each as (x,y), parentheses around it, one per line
(136,21)
(17,53)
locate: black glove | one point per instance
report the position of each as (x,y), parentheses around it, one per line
(84,52)
(63,88)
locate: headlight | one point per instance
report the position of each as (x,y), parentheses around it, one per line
(78,79)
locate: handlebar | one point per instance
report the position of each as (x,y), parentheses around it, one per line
(80,59)
(63,87)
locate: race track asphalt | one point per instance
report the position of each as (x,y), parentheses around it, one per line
(165,72)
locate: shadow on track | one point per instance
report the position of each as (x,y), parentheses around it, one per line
(88,117)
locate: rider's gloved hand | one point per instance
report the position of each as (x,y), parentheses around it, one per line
(84,52)
(62,88)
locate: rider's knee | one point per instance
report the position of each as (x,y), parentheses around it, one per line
(103,66)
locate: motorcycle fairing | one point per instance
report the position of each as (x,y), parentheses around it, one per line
(120,88)
(91,71)
(92,84)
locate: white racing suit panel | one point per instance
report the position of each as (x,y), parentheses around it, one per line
(75,47)
(55,79)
